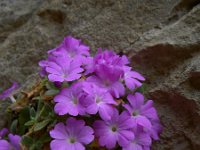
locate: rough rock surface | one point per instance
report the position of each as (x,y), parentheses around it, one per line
(161,38)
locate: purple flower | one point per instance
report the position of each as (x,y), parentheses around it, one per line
(3,132)
(144,114)
(14,141)
(63,69)
(45,63)
(72,136)
(117,129)
(9,92)
(141,140)
(156,129)
(71,48)
(150,112)
(13,145)
(141,113)
(131,78)
(105,58)
(88,65)
(108,69)
(68,101)
(5,145)
(115,88)
(109,78)
(110,58)
(98,100)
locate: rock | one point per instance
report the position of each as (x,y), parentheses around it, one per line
(170,58)
(14,14)
(194,79)
(161,38)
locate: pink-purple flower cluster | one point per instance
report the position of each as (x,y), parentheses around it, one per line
(95,83)
(65,62)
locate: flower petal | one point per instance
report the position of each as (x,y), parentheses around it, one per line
(5,145)
(59,132)
(86,135)
(108,140)
(61,145)
(78,146)
(106,111)
(15,141)
(53,77)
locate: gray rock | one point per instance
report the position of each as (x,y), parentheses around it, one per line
(161,38)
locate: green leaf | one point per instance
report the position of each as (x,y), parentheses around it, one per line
(30,123)
(32,112)
(36,146)
(36,98)
(41,125)
(65,84)
(13,127)
(44,81)
(51,86)
(47,111)
(45,138)
(24,116)
(40,105)
(39,108)
(27,141)
(52,92)
(142,89)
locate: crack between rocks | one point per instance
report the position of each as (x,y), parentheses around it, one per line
(181,9)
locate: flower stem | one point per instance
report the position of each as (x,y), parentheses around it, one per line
(12,98)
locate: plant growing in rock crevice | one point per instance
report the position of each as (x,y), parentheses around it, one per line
(84,102)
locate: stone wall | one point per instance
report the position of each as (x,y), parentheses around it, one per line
(161,38)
